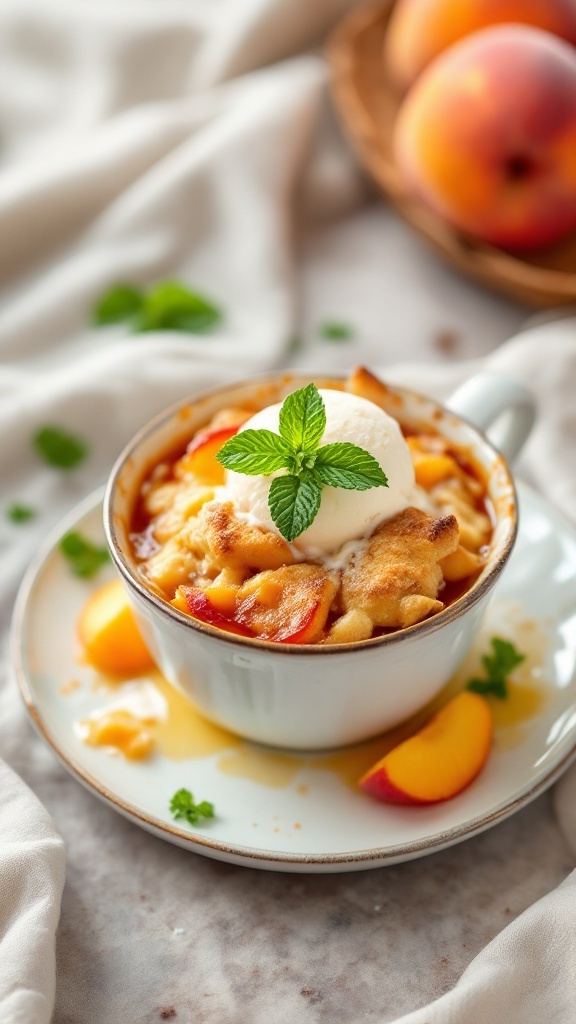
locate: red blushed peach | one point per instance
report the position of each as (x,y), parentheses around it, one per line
(196,603)
(487,137)
(419,30)
(201,453)
(440,760)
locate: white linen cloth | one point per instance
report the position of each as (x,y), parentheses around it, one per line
(192,140)
(31,880)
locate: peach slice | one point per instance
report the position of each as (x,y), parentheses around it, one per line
(200,457)
(440,760)
(196,603)
(109,634)
(289,605)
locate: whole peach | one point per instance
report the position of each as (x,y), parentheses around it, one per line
(419,30)
(487,137)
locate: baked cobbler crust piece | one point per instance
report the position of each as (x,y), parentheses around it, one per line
(396,580)
(235,543)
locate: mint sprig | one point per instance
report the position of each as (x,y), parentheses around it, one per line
(294,497)
(183,805)
(498,667)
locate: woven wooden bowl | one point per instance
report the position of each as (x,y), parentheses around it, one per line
(367,105)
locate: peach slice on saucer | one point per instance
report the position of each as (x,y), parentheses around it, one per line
(109,633)
(439,760)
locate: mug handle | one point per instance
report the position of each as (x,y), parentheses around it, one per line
(500,407)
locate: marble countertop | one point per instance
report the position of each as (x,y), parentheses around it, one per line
(150,932)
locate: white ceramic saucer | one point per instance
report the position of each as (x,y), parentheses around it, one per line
(294,813)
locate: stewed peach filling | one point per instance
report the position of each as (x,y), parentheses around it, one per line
(215,565)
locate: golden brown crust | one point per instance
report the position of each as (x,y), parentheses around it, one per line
(396,579)
(364,384)
(234,543)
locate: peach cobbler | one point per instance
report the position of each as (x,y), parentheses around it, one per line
(321,521)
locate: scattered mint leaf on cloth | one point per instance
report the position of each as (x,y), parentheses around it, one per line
(120,303)
(294,497)
(336,331)
(498,666)
(171,306)
(18,513)
(85,558)
(166,306)
(59,448)
(182,805)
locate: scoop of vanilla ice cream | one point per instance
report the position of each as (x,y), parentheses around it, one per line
(343,515)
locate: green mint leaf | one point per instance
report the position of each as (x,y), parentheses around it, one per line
(171,306)
(336,331)
(17,513)
(303,419)
(59,448)
(253,452)
(504,659)
(85,558)
(294,502)
(498,666)
(346,465)
(120,303)
(183,806)
(487,687)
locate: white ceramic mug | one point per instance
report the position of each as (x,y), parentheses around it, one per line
(315,697)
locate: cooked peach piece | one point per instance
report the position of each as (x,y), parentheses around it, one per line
(174,563)
(200,458)
(223,592)
(195,602)
(110,635)
(395,581)
(288,605)
(433,469)
(460,564)
(122,730)
(440,760)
